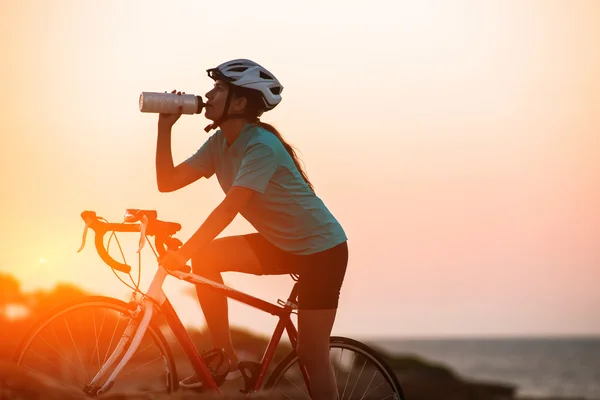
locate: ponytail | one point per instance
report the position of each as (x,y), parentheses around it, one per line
(254,108)
(289,149)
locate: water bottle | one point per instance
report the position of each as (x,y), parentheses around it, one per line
(168,103)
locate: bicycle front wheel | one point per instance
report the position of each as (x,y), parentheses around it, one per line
(360,372)
(76,339)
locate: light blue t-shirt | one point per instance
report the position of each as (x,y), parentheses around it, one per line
(284,210)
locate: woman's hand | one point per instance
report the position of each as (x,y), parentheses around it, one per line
(168,120)
(172,260)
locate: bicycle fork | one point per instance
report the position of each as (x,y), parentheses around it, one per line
(136,329)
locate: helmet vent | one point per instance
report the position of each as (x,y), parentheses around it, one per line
(238,69)
(275,90)
(265,76)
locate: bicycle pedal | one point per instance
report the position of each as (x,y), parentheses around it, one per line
(249,369)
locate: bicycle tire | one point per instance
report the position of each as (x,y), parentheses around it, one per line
(106,303)
(342,343)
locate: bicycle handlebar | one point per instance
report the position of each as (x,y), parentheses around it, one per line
(150,225)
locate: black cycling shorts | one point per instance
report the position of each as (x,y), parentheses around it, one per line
(320,274)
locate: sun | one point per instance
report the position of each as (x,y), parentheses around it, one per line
(16,311)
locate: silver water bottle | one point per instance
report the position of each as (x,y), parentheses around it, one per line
(169,103)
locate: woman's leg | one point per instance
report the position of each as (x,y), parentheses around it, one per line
(321,279)
(314,330)
(224,254)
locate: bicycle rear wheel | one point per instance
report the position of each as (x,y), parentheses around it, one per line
(361,374)
(75,340)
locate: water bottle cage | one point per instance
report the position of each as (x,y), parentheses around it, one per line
(287,303)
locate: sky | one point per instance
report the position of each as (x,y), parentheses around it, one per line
(457,142)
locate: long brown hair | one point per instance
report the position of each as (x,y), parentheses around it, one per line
(254,107)
(291,151)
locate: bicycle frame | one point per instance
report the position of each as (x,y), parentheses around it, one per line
(155,297)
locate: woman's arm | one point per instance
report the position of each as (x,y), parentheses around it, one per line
(168,177)
(235,201)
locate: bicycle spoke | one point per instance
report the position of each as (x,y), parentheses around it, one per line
(357,379)
(86,370)
(111,340)
(376,387)
(141,366)
(339,364)
(49,349)
(45,359)
(73,340)
(57,341)
(51,363)
(152,377)
(288,396)
(95,341)
(96,336)
(368,386)
(349,374)
(56,379)
(59,353)
(141,351)
(298,387)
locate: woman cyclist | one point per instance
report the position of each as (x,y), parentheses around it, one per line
(264,182)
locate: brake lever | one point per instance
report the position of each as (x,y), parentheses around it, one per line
(142,242)
(85,230)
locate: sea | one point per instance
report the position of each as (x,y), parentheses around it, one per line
(540,367)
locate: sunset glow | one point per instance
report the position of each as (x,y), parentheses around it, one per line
(456,142)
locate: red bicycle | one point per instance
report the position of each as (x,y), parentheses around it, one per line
(100,343)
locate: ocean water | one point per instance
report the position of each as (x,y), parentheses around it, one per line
(568,367)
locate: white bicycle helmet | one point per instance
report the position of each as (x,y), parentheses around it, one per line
(248,74)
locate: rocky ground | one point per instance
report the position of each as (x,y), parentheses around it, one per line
(420,381)
(427,381)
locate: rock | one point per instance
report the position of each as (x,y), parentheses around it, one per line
(426,389)
(425,380)
(551,398)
